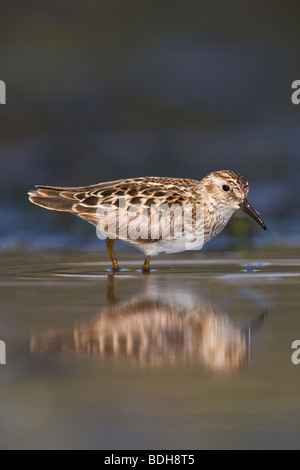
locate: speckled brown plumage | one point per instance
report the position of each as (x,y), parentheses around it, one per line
(219,194)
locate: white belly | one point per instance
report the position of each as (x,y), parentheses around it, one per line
(169,246)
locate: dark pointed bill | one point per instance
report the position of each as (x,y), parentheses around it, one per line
(246,207)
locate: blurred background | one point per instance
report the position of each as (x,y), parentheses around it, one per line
(100,90)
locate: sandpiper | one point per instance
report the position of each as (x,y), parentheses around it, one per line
(155,214)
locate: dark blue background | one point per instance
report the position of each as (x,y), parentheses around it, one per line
(100,90)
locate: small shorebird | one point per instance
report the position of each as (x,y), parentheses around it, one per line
(136,210)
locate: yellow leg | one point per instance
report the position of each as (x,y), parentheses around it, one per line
(109,246)
(146,268)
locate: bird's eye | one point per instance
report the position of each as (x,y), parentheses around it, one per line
(225,187)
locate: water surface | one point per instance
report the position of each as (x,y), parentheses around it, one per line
(197,355)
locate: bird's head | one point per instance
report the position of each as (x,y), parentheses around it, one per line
(227,191)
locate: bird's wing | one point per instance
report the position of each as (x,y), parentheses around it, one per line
(132,197)
(132,209)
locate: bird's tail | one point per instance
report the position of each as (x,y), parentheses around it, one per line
(53,198)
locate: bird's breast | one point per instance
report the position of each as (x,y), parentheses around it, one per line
(214,223)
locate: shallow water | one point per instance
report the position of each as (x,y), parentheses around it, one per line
(197,355)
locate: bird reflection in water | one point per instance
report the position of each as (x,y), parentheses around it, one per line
(158,327)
